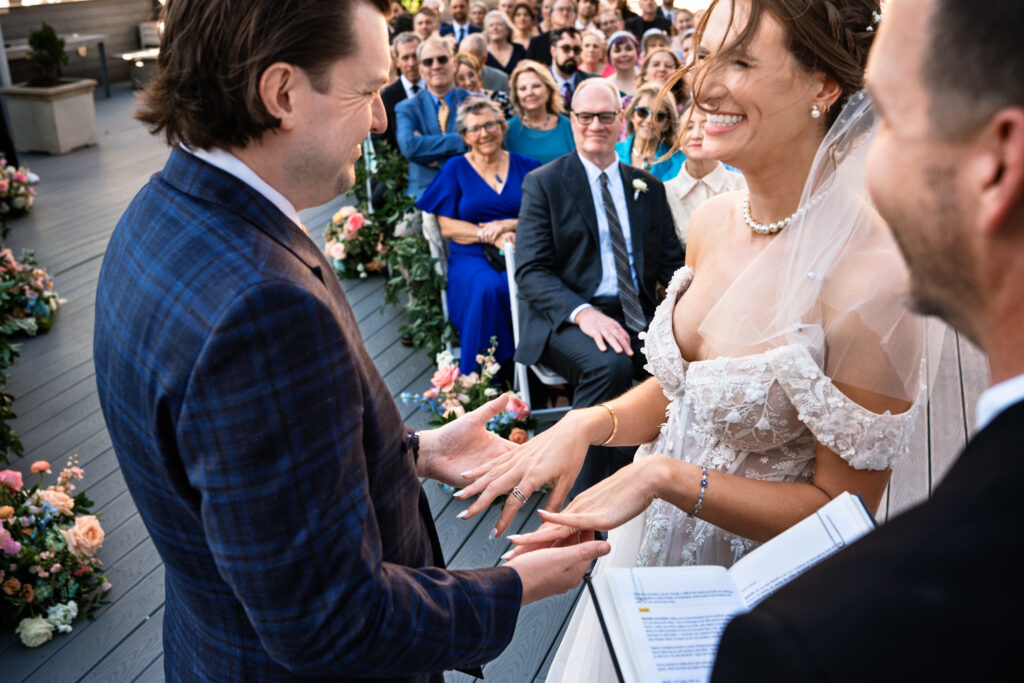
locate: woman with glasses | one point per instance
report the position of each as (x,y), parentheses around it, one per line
(541,130)
(476,199)
(652,131)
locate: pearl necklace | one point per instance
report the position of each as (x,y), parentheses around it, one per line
(775,227)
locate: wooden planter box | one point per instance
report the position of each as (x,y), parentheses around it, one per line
(53,120)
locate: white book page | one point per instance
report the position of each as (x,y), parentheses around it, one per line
(672,618)
(836,525)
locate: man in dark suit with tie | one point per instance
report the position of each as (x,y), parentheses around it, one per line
(408,85)
(426,123)
(261,446)
(460,26)
(933,594)
(595,237)
(566,49)
(563,13)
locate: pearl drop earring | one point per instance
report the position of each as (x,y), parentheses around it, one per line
(815,112)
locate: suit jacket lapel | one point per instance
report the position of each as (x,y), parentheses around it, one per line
(575,178)
(638,219)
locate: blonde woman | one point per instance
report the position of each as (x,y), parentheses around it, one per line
(541,130)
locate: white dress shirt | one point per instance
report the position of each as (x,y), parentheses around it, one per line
(686,193)
(998,398)
(407,85)
(609,285)
(229,163)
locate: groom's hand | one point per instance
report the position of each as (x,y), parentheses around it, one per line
(553,571)
(462,445)
(604,330)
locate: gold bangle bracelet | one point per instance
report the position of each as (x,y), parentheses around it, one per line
(615,423)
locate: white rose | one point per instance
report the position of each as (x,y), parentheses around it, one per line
(34,632)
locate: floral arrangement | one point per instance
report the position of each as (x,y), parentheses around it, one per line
(355,245)
(16,194)
(49,574)
(28,301)
(453,395)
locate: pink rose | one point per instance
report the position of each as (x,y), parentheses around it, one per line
(4,186)
(7,543)
(85,538)
(40,467)
(518,406)
(336,250)
(58,499)
(11,480)
(20,177)
(444,379)
(353,223)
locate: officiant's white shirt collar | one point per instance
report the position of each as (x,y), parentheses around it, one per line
(998,398)
(229,163)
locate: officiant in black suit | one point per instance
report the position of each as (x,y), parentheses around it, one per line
(934,594)
(403,51)
(595,237)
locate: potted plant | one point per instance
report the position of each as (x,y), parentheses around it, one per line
(49,113)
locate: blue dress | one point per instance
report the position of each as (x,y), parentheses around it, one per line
(478,302)
(542,145)
(663,170)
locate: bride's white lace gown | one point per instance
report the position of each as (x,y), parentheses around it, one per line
(756,416)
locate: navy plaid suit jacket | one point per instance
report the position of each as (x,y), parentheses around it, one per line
(266,455)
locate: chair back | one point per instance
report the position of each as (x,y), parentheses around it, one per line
(438,244)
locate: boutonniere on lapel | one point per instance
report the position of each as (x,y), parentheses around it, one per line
(638,186)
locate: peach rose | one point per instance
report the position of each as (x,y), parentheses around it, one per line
(11,480)
(28,592)
(336,250)
(343,213)
(6,512)
(40,467)
(12,586)
(444,379)
(518,435)
(58,499)
(85,538)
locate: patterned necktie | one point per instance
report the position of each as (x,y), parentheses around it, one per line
(442,115)
(567,95)
(631,310)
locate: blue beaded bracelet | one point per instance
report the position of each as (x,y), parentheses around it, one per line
(703,488)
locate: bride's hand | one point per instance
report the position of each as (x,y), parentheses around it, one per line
(554,456)
(604,506)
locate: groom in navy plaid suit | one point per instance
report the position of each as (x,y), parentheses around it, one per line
(259,442)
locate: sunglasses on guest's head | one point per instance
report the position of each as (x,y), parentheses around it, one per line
(587,117)
(644,112)
(429,61)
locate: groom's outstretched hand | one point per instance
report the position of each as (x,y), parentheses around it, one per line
(553,571)
(462,445)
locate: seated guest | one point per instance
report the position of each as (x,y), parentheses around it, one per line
(502,53)
(624,55)
(460,26)
(563,15)
(491,77)
(681,25)
(477,13)
(467,77)
(540,131)
(652,132)
(700,178)
(593,59)
(648,19)
(658,66)
(610,22)
(524,24)
(425,23)
(565,58)
(476,199)
(586,12)
(426,123)
(403,51)
(591,249)
(544,16)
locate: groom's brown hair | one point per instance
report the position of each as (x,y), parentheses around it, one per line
(213,53)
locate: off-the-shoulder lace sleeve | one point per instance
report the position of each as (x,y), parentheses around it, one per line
(659,344)
(866,440)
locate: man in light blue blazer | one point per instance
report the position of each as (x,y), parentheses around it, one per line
(420,136)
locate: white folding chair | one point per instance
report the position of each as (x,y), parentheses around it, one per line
(439,250)
(546,375)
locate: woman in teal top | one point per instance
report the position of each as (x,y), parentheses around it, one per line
(541,131)
(652,130)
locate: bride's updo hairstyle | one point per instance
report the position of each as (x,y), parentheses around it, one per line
(831,36)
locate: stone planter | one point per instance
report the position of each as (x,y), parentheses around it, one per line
(53,120)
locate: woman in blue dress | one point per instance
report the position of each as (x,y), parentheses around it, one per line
(652,131)
(541,131)
(476,199)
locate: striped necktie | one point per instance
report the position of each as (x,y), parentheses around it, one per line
(442,115)
(631,309)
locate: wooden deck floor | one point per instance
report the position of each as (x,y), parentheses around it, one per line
(79,201)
